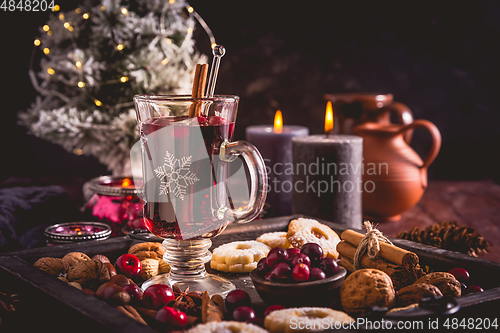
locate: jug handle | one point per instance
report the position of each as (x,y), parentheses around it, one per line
(405,116)
(436,139)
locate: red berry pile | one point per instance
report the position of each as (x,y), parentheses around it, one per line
(462,275)
(297,265)
(239,306)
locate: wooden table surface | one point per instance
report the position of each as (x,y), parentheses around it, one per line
(470,203)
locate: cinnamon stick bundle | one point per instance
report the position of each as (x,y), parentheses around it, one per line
(389,252)
(399,275)
(199,87)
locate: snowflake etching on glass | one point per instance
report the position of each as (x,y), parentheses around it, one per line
(175,179)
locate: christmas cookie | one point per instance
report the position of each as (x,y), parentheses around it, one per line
(305,319)
(273,239)
(302,231)
(238,257)
(226,326)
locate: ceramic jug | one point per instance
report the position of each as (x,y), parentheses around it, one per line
(394,175)
(352,109)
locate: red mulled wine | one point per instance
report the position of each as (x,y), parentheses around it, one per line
(181,168)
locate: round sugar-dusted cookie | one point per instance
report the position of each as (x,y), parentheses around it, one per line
(226,327)
(273,239)
(302,231)
(238,257)
(287,320)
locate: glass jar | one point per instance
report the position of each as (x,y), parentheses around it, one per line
(73,232)
(114,200)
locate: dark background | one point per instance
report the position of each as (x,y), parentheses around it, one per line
(441,58)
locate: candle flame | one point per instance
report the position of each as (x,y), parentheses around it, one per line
(126,182)
(278,122)
(329,118)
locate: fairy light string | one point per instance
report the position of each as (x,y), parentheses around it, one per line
(164,33)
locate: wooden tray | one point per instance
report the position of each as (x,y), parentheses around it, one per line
(47,303)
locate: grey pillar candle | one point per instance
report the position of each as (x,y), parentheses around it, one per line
(327,178)
(276,149)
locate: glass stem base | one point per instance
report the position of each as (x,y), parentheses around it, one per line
(187,261)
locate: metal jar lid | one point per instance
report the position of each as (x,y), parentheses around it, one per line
(104,185)
(80,232)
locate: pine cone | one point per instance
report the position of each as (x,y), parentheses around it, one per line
(448,235)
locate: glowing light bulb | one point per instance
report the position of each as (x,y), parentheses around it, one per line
(46,50)
(165,61)
(49,33)
(124,11)
(50,71)
(171,2)
(190,30)
(46,28)
(213,45)
(77,151)
(123,79)
(61,16)
(169,41)
(37,42)
(85,16)
(66,25)
(190,9)
(81,84)
(56,8)
(78,10)
(103,8)
(119,47)
(78,64)
(97,102)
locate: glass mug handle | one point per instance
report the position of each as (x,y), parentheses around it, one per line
(229,151)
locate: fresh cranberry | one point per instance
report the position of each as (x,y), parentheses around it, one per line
(216,121)
(273,308)
(262,267)
(312,250)
(275,256)
(301,258)
(474,289)
(300,272)
(281,272)
(128,265)
(329,266)
(460,274)
(236,298)
(316,274)
(292,252)
(134,291)
(171,317)
(202,121)
(157,295)
(244,313)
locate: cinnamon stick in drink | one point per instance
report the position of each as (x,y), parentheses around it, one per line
(388,252)
(199,87)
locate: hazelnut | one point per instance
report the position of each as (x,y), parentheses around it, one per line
(415,292)
(111,269)
(89,273)
(113,294)
(53,266)
(446,282)
(73,257)
(102,258)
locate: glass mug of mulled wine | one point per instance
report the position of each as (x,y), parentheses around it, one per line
(187,152)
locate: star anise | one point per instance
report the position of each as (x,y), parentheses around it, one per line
(186,301)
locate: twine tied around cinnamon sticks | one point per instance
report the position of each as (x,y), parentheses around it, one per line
(369,245)
(376,251)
